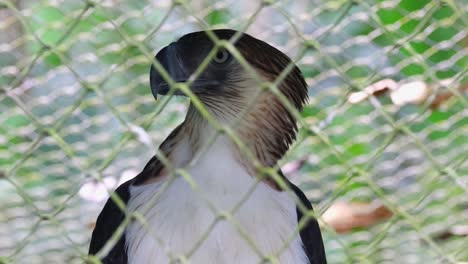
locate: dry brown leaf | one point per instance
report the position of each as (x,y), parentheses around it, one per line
(344,216)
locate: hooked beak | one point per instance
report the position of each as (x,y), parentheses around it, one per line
(168,59)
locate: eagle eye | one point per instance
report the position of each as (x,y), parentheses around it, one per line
(221,56)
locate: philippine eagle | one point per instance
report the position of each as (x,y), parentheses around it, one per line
(226,211)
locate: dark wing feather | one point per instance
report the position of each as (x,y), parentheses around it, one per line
(310,233)
(107,222)
(112,216)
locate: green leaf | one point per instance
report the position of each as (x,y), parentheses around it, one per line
(53,60)
(412,5)
(106,37)
(16,121)
(84,26)
(443,12)
(357,149)
(442,55)
(412,69)
(4,260)
(310,111)
(358,71)
(441,34)
(435,135)
(445,74)
(48,14)
(309,71)
(216,17)
(409,26)
(357,28)
(438,116)
(50,37)
(420,46)
(133,26)
(383,40)
(389,16)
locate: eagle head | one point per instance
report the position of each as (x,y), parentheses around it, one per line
(224,75)
(227,88)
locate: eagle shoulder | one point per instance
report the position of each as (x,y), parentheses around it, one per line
(310,233)
(107,223)
(111,218)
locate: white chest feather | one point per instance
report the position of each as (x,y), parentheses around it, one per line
(184,220)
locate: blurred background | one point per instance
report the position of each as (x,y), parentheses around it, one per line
(382,151)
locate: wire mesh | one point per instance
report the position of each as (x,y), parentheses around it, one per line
(78,118)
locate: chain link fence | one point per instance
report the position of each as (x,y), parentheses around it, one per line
(77,116)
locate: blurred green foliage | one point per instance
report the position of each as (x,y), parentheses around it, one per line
(363,138)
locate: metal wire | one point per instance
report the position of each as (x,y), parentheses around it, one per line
(77,117)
